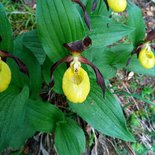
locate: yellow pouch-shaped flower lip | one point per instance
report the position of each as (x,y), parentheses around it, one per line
(5,76)
(117,5)
(76,86)
(146,58)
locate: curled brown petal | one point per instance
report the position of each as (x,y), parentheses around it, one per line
(55,65)
(86,17)
(99,77)
(94,5)
(135,51)
(78,46)
(150,35)
(21,65)
(106,3)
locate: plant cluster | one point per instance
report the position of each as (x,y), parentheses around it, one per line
(78,33)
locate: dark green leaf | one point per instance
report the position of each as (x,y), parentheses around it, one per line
(104,114)
(31,41)
(17,77)
(21,117)
(43,116)
(69,138)
(109,59)
(101,8)
(31,63)
(106,31)
(135,21)
(12,115)
(6,39)
(58,22)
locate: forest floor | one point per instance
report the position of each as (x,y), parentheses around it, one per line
(140,116)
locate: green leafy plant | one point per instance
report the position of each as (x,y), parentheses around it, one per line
(33,58)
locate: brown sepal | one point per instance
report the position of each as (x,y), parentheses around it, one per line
(95,2)
(21,65)
(86,16)
(135,51)
(150,35)
(99,77)
(78,46)
(67,59)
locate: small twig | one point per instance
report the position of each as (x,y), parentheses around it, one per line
(129,148)
(96,141)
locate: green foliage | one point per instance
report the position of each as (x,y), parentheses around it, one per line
(104,27)
(69,138)
(6,38)
(135,21)
(13,117)
(32,65)
(104,114)
(58,22)
(22,110)
(31,42)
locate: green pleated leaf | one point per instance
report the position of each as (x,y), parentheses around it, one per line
(109,59)
(58,22)
(12,115)
(69,138)
(104,114)
(106,31)
(135,21)
(21,117)
(101,8)
(31,63)
(6,39)
(31,41)
(43,116)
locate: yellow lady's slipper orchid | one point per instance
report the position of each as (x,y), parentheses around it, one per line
(75,82)
(146,57)
(117,5)
(5,76)
(76,85)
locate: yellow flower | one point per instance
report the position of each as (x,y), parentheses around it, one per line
(5,76)
(146,57)
(76,84)
(117,5)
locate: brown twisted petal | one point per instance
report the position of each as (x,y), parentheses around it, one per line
(99,77)
(21,65)
(135,51)
(94,5)
(86,17)
(150,35)
(78,46)
(106,4)
(68,59)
